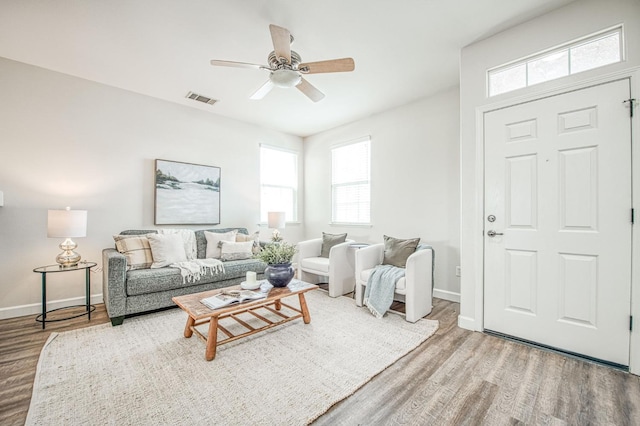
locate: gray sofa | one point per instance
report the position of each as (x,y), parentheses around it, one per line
(141,290)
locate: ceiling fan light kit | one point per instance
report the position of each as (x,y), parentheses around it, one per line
(286,67)
(285,78)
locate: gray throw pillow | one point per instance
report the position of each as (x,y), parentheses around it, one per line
(330,240)
(397,251)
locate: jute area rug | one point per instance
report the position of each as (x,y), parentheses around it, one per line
(145,372)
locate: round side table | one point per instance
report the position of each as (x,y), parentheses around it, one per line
(49,269)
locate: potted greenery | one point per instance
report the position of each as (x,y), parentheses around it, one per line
(278,257)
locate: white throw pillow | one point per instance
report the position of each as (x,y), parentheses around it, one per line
(166,249)
(213,242)
(236,250)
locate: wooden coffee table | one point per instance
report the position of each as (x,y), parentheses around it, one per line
(199,314)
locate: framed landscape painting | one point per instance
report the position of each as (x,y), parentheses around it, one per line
(186,194)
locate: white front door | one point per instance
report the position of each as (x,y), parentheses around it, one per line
(558,187)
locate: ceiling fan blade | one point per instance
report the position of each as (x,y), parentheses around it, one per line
(218,63)
(310,91)
(262,91)
(332,65)
(281,38)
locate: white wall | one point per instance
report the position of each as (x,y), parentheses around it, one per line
(66,141)
(414,180)
(558,27)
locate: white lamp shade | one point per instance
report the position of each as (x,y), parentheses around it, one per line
(276,220)
(67,223)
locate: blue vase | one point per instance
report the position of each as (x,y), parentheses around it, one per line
(279,275)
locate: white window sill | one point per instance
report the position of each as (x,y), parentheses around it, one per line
(351,225)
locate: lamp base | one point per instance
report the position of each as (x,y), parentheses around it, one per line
(68,258)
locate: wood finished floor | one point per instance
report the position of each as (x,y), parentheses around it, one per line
(457,377)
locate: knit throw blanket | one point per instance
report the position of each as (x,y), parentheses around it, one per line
(378,295)
(193,269)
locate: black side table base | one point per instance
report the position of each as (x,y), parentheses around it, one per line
(50,269)
(87,312)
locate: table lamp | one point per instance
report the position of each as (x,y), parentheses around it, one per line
(67,224)
(276,220)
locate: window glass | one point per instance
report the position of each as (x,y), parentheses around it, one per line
(548,67)
(596,54)
(508,79)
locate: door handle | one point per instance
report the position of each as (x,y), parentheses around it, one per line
(493,233)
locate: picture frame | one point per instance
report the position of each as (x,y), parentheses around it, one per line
(186,193)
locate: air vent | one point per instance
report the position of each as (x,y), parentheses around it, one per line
(201,98)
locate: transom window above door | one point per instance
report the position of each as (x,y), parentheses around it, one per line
(593,51)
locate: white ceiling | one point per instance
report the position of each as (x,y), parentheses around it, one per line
(403,49)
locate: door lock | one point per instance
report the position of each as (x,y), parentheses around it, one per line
(491,218)
(493,233)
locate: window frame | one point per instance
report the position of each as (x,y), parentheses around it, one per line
(294,187)
(367,181)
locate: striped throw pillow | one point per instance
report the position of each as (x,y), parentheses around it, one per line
(255,237)
(136,249)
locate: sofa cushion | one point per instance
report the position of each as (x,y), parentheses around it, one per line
(136,249)
(139,232)
(316,264)
(144,281)
(232,250)
(401,284)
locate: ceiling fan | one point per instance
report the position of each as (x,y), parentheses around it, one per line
(287,69)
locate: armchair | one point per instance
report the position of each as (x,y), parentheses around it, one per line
(414,289)
(338,267)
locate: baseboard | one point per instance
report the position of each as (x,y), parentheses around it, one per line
(467,323)
(446,295)
(36,308)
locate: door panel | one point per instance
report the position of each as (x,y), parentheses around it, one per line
(558,180)
(521,281)
(578,177)
(521,200)
(578,289)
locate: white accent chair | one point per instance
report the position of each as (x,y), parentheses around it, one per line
(414,289)
(338,267)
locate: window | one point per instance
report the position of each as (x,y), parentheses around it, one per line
(278,182)
(595,51)
(350,188)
